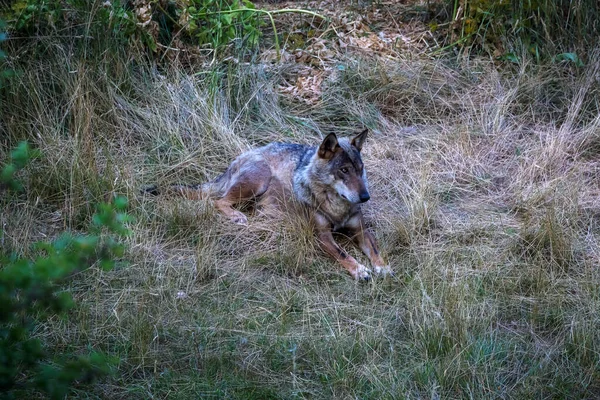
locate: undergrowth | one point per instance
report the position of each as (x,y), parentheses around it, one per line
(32,292)
(547,30)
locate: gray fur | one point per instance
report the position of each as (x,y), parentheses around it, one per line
(329,179)
(300,171)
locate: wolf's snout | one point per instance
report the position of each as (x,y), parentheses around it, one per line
(364,197)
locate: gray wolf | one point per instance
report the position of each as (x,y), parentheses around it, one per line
(329,180)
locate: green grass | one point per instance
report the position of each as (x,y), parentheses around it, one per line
(484,200)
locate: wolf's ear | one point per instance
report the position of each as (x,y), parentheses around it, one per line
(360,139)
(328,147)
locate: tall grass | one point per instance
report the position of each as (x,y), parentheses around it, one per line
(547,29)
(484,199)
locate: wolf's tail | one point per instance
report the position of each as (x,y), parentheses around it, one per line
(192,192)
(209,190)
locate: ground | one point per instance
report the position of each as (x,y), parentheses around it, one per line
(484,181)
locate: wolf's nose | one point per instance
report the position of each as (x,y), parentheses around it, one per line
(364,196)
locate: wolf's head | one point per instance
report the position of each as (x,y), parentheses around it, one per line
(345,166)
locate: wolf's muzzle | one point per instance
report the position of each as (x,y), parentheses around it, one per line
(364,196)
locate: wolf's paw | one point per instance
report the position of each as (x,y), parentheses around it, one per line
(239,219)
(383,270)
(362,273)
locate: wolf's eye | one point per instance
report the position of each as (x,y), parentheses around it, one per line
(344,170)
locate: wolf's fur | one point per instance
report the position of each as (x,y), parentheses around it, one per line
(330,180)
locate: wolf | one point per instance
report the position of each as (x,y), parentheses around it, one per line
(329,180)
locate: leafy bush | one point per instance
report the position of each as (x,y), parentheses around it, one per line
(215,21)
(543,28)
(20,156)
(31,292)
(112,20)
(145,22)
(32,15)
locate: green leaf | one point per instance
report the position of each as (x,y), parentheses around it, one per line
(118,250)
(65,301)
(107,265)
(63,242)
(249,4)
(87,242)
(512,57)
(228,18)
(120,202)
(7,173)
(572,57)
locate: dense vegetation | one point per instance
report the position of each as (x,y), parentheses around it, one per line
(484,171)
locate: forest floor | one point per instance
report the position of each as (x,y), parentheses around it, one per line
(485,199)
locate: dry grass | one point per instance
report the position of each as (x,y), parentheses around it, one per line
(485,199)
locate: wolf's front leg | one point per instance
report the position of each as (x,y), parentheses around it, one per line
(367,243)
(327,243)
(357,270)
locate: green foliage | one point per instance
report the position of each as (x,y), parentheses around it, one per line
(19,157)
(113,19)
(122,25)
(217,22)
(569,57)
(212,22)
(541,28)
(31,293)
(5,72)
(35,14)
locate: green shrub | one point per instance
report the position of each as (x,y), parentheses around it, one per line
(78,19)
(19,157)
(31,292)
(217,22)
(141,22)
